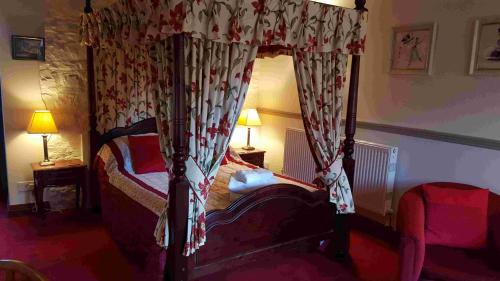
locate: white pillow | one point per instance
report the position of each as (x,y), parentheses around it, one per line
(123,146)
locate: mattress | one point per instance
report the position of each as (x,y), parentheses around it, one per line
(151,190)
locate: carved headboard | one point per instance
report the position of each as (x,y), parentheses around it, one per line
(142,127)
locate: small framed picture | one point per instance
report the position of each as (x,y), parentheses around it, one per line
(28,48)
(413,49)
(485,57)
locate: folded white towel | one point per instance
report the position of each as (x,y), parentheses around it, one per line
(239,187)
(253,176)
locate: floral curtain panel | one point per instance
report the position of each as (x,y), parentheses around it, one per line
(320,81)
(301,24)
(163,96)
(217,76)
(124,77)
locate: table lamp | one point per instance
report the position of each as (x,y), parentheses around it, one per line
(43,123)
(249,117)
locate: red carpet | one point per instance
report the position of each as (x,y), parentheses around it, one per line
(77,247)
(300,267)
(373,259)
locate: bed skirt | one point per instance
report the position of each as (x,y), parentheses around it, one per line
(137,243)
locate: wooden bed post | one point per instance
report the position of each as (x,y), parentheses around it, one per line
(342,224)
(93,134)
(352,105)
(176,267)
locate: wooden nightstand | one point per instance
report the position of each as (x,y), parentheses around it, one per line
(255,157)
(64,172)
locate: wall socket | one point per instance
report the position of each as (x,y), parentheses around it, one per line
(25,186)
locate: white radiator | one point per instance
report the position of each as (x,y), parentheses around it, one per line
(373,178)
(298,161)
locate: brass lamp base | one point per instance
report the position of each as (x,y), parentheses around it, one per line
(47,163)
(248,148)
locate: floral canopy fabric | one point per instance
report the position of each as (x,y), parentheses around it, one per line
(221,42)
(302,24)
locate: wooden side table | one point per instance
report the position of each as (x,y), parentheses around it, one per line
(64,172)
(255,157)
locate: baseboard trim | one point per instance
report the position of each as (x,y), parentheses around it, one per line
(20,209)
(405,131)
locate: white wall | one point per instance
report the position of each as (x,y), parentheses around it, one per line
(448,101)
(20,91)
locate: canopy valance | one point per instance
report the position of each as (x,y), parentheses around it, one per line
(302,24)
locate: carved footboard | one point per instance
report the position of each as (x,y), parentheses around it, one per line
(275,217)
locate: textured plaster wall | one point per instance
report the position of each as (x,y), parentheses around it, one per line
(64,89)
(63,77)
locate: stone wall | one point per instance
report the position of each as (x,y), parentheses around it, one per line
(63,78)
(63,86)
(63,83)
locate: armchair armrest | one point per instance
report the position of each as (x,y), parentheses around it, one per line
(494,223)
(411,224)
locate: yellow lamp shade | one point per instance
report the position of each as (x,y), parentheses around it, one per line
(249,117)
(42,122)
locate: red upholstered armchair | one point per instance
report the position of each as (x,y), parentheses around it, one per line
(421,261)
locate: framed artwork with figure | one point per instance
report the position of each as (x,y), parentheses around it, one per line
(485,57)
(413,49)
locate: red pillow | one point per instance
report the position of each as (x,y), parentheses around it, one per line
(145,154)
(456,217)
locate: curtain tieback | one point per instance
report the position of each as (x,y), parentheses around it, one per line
(330,174)
(334,179)
(199,182)
(161,229)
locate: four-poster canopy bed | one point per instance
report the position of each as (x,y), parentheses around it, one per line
(181,69)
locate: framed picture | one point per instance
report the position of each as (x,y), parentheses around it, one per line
(485,58)
(413,49)
(28,48)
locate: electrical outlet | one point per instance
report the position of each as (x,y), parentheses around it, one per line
(25,186)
